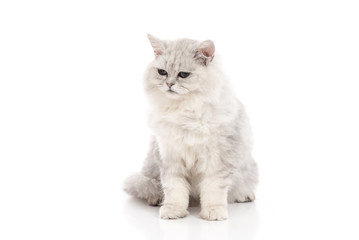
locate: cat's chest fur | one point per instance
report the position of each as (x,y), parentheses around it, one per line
(184,125)
(184,133)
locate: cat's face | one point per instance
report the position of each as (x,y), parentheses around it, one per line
(179,67)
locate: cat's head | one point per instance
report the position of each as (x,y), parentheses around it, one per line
(180,68)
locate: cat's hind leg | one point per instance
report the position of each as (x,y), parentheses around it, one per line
(243,185)
(239,196)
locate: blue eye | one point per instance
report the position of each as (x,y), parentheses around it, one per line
(162,72)
(183,74)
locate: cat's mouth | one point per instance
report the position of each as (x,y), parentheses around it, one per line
(171,91)
(172,94)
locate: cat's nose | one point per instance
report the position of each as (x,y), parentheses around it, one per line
(170,84)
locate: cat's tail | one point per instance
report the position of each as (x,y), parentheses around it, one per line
(140,186)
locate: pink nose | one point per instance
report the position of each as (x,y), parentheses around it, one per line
(170,84)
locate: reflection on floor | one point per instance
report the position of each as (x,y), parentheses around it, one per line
(242,223)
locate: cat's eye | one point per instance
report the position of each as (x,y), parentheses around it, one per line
(183,74)
(162,72)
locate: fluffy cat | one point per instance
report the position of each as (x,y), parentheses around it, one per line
(201,146)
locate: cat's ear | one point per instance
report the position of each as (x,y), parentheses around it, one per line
(205,52)
(157,45)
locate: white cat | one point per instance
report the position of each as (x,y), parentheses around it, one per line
(201,145)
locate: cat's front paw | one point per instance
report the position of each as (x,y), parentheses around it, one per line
(214,213)
(172,212)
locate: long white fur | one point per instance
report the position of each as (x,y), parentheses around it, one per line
(201,145)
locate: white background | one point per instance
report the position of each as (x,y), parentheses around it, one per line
(73,115)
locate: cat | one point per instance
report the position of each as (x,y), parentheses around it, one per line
(201,144)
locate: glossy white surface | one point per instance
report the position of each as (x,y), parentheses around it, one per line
(73,116)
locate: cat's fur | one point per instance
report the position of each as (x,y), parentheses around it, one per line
(201,143)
